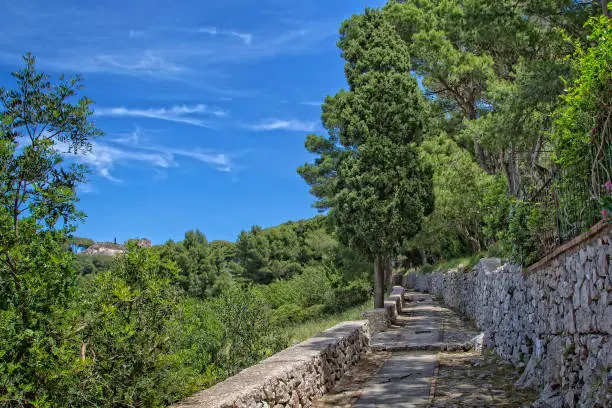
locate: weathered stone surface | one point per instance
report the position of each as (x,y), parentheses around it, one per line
(377,319)
(399,291)
(468,380)
(293,377)
(391,310)
(560,332)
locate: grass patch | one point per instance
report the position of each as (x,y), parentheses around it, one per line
(301,332)
(468,262)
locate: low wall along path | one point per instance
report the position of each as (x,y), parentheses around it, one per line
(551,326)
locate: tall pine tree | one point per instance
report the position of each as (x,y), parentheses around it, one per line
(369,173)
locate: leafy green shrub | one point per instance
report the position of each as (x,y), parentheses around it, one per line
(584,115)
(92,264)
(247,331)
(198,335)
(353,293)
(286,314)
(303,290)
(496,208)
(531,227)
(312,312)
(127,340)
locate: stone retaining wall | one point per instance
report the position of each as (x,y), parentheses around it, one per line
(381,318)
(555,320)
(293,377)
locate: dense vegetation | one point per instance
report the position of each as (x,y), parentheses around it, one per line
(465,127)
(155,323)
(518,123)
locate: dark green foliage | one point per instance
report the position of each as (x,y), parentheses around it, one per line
(205,269)
(340,275)
(501,66)
(270,254)
(583,133)
(455,226)
(295,301)
(247,334)
(143,343)
(91,264)
(266,255)
(582,140)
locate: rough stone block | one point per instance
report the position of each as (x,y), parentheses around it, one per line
(377,319)
(391,310)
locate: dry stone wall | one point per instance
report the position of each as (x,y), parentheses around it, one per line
(380,319)
(556,321)
(293,377)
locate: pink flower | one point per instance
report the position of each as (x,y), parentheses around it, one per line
(603,213)
(608,186)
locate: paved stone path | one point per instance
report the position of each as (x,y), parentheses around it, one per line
(403,363)
(425,325)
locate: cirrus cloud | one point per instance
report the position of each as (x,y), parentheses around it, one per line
(284,124)
(105,157)
(177,113)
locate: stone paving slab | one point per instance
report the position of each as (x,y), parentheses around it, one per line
(348,390)
(467,380)
(404,381)
(425,325)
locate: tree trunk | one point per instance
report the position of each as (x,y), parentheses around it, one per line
(423,256)
(604,6)
(511,168)
(389,267)
(379,282)
(388,273)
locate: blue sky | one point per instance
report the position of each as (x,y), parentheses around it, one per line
(205,104)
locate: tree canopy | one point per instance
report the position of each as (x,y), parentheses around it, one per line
(369,172)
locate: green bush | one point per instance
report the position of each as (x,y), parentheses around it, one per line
(127,319)
(312,312)
(343,297)
(248,334)
(286,314)
(92,264)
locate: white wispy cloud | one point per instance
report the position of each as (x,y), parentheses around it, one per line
(220,161)
(214,31)
(246,38)
(120,61)
(145,62)
(69,40)
(132,148)
(177,113)
(86,188)
(103,158)
(280,124)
